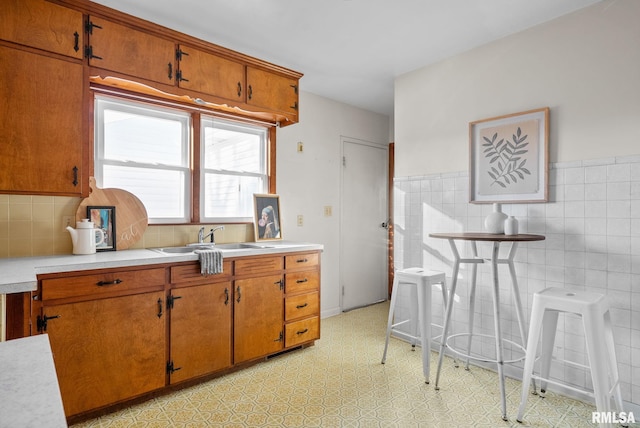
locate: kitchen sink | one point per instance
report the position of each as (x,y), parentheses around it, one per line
(190,248)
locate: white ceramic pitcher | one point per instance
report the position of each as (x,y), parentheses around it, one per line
(85,237)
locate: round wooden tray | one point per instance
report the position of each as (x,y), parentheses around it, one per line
(130,214)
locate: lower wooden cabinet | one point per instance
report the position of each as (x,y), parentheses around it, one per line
(107,350)
(119,334)
(200,330)
(257,318)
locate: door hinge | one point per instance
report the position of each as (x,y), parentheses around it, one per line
(42,322)
(90,26)
(88,53)
(171,368)
(179,77)
(171,300)
(180,53)
(280,283)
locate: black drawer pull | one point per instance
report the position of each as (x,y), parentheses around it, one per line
(105,283)
(300,281)
(302,331)
(302,260)
(302,306)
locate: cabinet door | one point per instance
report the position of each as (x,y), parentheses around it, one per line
(42,25)
(258,317)
(108,350)
(135,53)
(200,330)
(211,74)
(272,91)
(41,139)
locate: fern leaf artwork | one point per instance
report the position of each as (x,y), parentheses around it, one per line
(507,155)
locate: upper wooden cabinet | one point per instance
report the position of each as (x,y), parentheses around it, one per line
(272,91)
(41,131)
(128,51)
(43,25)
(203,72)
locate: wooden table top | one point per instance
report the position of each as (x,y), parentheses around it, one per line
(492,237)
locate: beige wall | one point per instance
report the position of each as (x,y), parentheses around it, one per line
(309,181)
(584,66)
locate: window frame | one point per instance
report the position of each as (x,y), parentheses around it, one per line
(196,113)
(227,124)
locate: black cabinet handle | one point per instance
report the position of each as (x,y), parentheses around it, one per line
(301,281)
(75,176)
(159,308)
(302,260)
(76,45)
(170,71)
(302,306)
(106,283)
(302,331)
(226,296)
(239,89)
(238,293)
(250,95)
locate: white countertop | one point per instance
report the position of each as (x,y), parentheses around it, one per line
(18,275)
(29,384)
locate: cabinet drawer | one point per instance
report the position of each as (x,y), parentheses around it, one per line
(190,274)
(301,331)
(258,265)
(300,282)
(108,283)
(301,261)
(301,306)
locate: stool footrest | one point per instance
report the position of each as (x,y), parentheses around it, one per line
(564,385)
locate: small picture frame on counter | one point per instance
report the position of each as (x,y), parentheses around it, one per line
(104,218)
(267,217)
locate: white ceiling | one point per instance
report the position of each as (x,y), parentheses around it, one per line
(349,50)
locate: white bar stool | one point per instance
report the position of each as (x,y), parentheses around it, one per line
(596,319)
(422,280)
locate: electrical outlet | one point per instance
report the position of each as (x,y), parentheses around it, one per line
(300,220)
(300,147)
(67,220)
(328,211)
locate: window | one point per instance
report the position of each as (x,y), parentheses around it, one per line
(233,157)
(147,150)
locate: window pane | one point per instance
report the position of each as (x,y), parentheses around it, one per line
(230,195)
(161,191)
(143,139)
(233,148)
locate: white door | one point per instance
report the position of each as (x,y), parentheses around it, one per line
(363,247)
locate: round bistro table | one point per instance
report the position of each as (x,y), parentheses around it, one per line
(496,239)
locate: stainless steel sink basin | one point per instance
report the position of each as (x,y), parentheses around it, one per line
(190,248)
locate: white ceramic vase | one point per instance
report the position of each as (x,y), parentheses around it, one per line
(494,222)
(511,226)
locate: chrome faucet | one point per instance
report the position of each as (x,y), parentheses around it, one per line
(202,236)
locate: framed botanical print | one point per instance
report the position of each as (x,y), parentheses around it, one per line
(509,158)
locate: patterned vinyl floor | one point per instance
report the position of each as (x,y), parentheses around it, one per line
(340,382)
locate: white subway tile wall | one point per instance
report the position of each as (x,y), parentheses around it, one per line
(592,229)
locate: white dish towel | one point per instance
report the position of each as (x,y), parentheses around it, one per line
(210,261)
